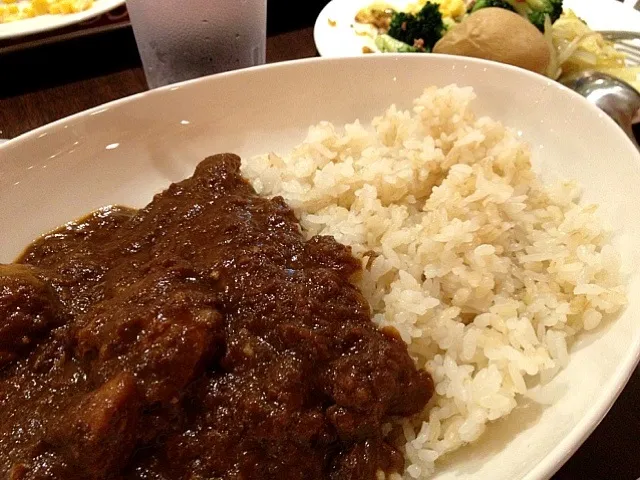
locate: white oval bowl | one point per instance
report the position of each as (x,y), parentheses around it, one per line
(128,150)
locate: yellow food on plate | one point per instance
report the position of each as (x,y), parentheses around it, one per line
(577,48)
(448,8)
(379,13)
(12,10)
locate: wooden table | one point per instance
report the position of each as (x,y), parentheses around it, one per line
(65,79)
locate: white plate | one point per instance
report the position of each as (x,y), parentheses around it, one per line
(341,39)
(126,151)
(44,23)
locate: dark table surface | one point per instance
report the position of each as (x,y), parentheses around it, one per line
(44,84)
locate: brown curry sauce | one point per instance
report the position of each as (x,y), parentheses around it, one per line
(198,338)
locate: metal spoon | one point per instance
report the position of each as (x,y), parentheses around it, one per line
(613,96)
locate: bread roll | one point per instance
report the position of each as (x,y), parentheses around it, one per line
(500,35)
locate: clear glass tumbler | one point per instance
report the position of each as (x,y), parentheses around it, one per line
(179,40)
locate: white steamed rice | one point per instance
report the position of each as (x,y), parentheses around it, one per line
(486,273)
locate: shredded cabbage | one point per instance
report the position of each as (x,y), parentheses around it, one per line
(576,48)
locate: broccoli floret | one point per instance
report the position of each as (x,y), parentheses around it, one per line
(422,30)
(535,10)
(537,18)
(388,44)
(491,3)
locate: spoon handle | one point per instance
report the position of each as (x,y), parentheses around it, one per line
(619,34)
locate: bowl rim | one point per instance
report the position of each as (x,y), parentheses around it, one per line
(300,63)
(563,450)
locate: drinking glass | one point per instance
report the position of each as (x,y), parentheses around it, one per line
(180,40)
